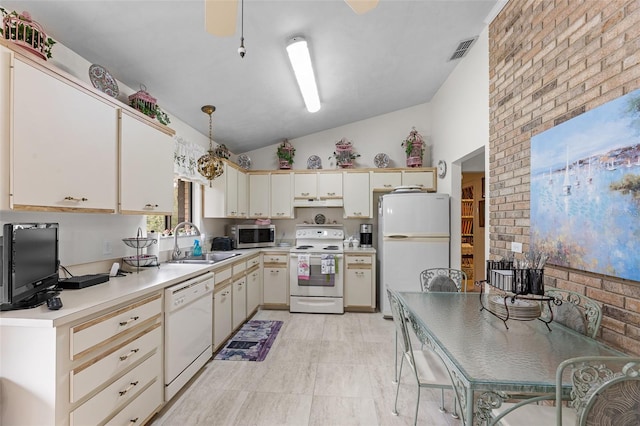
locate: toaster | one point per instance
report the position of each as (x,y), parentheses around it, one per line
(222,244)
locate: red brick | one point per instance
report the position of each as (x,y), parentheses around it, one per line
(606,298)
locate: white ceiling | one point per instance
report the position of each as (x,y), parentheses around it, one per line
(393,57)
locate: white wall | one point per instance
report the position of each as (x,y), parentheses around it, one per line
(383,133)
(460,129)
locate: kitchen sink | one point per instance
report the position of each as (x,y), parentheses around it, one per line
(208,258)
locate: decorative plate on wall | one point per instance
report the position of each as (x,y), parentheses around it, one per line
(244,161)
(103,81)
(314,162)
(320,219)
(381,160)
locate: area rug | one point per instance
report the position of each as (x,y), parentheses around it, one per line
(252,342)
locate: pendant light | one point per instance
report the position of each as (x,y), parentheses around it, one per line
(241,50)
(210,165)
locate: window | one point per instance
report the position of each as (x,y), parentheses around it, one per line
(182,201)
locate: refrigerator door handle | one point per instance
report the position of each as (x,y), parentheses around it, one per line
(397,237)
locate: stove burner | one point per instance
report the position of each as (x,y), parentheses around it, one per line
(331,248)
(303,247)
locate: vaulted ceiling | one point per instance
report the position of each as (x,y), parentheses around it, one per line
(390,58)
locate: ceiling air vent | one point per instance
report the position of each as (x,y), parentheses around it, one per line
(462,48)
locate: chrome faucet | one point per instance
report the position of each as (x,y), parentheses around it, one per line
(176,250)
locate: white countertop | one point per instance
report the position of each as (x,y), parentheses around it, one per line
(81,303)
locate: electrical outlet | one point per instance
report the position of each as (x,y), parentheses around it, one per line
(106,247)
(516,247)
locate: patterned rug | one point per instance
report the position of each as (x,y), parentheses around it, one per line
(252,342)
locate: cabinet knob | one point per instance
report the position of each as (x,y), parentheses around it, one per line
(70,198)
(150,206)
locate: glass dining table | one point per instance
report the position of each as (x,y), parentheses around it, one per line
(489,363)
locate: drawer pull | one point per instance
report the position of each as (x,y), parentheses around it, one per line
(304,194)
(127,322)
(124,357)
(386,185)
(131,386)
(133,421)
(150,206)
(70,198)
(331,194)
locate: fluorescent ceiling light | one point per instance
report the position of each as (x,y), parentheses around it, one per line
(301,63)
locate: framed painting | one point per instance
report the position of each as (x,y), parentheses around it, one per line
(585,190)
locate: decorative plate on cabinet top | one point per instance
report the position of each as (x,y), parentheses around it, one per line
(314,162)
(244,161)
(381,160)
(103,81)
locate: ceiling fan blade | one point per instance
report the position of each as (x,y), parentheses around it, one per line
(362,6)
(220,17)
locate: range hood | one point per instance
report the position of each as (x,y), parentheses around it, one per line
(317,202)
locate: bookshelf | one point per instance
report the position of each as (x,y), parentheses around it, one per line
(472,227)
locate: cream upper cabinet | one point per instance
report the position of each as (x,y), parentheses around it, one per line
(64,145)
(145,152)
(385,181)
(226,195)
(357,195)
(243,194)
(423,177)
(281,200)
(305,185)
(259,195)
(330,185)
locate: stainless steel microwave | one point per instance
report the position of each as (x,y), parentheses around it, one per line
(252,236)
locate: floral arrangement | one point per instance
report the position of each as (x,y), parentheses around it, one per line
(344,154)
(411,140)
(151,111)
(21,28)
(285,153)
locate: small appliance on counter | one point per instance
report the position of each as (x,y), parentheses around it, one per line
(222,244)
(366,235)
(252,236)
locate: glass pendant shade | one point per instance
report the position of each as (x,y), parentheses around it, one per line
(210,165)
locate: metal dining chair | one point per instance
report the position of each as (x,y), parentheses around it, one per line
(429,370)
(605,391)
(576,311)
(443,279)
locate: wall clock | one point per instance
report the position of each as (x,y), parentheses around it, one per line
(442,168)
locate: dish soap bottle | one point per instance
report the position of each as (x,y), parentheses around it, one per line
(197,249)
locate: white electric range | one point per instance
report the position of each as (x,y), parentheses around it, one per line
(316,270)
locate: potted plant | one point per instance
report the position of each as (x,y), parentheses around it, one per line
(25,32)
(414,148)
(146,104)
(344,154)
(285,154)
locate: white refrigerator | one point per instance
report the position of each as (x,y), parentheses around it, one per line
(413,235)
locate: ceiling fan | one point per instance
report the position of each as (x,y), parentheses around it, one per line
(221,15)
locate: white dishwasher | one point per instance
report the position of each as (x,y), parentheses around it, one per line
(188,333)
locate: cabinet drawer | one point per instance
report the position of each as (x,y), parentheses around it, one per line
(140,408)
(253,262)
(114,396)
(222,275)
(359,262)
(99,331)
(276,258)
(94,372)
(239,268)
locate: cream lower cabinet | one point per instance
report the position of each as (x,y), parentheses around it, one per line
(91,371)
(359,282)
(239,302)
(275,280)
(254,285)
(357,195)
(145,151)
(64,145)
(222,315)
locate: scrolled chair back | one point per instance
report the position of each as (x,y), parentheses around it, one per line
(443,279)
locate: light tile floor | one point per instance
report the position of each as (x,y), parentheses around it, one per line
(321,370)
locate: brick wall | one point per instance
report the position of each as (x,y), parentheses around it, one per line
(550,61)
